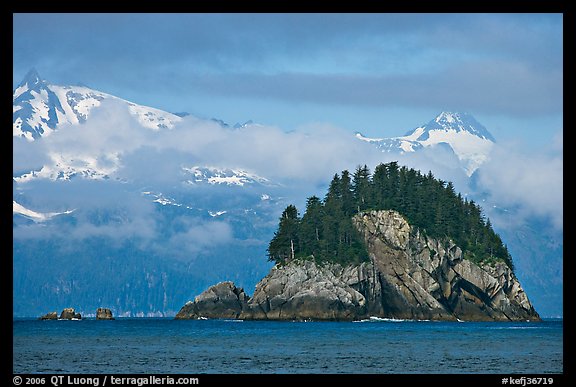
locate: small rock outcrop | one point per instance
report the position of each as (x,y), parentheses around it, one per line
(104,314)
(223,300)
(49,316)
(409,276)
(69,314)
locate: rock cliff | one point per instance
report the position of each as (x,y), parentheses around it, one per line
(409,276)
(223,300)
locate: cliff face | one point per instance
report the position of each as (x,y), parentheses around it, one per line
(409,276)
(423,278)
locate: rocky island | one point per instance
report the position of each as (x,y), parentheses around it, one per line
(407,274)
(66,314)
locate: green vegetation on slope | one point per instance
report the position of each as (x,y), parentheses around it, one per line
(325,232)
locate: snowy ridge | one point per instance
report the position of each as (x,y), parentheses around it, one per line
(68,166)
(38,217)
(470,141)
(227,176)
(164,200)
(39,108)
(236,126)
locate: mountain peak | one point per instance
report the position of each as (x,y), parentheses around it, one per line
(32,79)
(238,125)
(449,117)
(469,140)
(459,122)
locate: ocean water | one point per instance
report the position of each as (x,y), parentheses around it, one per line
(165,346)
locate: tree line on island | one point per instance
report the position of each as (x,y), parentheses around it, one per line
(325,233)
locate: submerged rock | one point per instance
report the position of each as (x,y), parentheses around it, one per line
(104,314)
(409,276)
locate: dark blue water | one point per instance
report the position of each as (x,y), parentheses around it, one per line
(164,345)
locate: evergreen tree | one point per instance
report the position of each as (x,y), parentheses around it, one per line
(346,194)
(361,188)
(283,247)
(393,185)
(326,231)
(311,231)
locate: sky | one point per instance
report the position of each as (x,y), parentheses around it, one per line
(379,74)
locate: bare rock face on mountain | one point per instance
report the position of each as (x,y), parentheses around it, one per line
(223,300)
(409,276)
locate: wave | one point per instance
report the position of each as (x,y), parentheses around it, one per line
(381,319)
(515,327)
(223,320)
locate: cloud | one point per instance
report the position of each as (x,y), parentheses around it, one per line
(27,156)
(482,86)
(309,154)
(509,63)
(441,161)
(195,236)
(301,162)
(144,160)
(111,128)
(99,209)
(213,41)
(530,180)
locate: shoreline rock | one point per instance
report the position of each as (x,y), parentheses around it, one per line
(104,314)
(49,316)
(223,300)
(69,314)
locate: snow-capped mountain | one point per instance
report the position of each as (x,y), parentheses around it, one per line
(470,140)
(39,107)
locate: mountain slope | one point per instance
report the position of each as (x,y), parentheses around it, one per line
(470,140)
(40,107)
(134,241)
